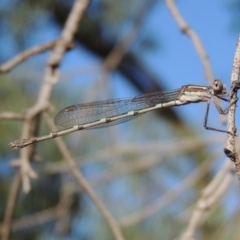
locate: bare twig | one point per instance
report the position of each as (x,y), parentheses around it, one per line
(209,198)
(33,220)
(194,37)
(230,148)
(84,184)
(12,199)
(64,210)
(50,78)
(6,67)
(68,32)
(12,116)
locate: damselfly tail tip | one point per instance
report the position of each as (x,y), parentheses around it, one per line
(14,146)
(20,143)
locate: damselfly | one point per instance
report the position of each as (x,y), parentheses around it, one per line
(110,112)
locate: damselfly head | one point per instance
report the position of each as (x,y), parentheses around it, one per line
(218,87)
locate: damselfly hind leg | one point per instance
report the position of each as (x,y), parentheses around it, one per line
(212,128)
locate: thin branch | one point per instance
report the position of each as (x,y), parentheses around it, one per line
(50,78)
(209,199)
(84,184)
(63,210)
(11,203)
(230,148)
(33,220)
(6,67)
(12,116)
(68,32)
(194,37)
(9,65)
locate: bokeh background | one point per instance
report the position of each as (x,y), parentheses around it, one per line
(163,159)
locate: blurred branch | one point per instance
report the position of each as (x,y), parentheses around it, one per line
(11,203)
(166,198)
(6,67)
(161,149)
(33,220)
(12,116)
(117,53)
(83,182)
(211,195)
(64,210)
(50,78)
(194,37)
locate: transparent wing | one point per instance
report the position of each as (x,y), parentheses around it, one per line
(94,111)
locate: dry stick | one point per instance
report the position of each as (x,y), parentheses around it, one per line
(34,219)
(12,199)
(12,116)
(6,67)
(230,148)
(83,182)
(194,37)
(50,78)
(209,198)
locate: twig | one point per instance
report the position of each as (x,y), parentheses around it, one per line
(6,67)
(64,209)
(12,116)
(230,148)
(12,199)
(50,78)
(209,199)
(33,220)
(84,184)
(194,37)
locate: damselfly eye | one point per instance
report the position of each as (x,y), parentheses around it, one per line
(218,87)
